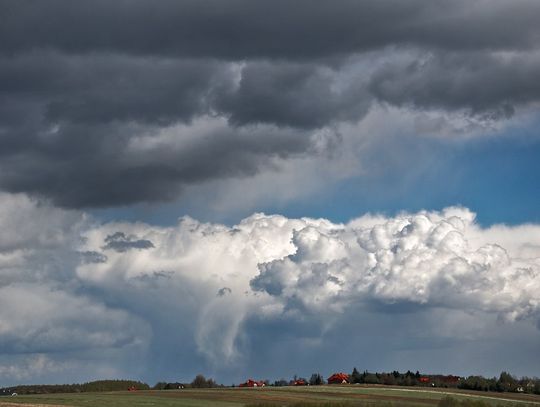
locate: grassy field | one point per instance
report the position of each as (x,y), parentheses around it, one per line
(347,395)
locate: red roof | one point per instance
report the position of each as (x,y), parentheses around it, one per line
(252,383)
(338,378)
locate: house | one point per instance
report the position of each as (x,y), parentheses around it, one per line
(7,392)
(424,379)
(173,385)
(252,383)
(338,378)
(299,382)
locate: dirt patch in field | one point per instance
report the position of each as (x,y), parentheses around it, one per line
(30,405)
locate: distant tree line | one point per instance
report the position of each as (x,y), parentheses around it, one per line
(96,386)
(199,382)
(505,383)
(394,378)
(169,386)
(314,380)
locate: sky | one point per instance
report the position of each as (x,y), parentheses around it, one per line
(268,188)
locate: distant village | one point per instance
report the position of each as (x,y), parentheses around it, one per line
(357,378)
(504,383)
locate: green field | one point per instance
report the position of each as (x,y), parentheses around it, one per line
(347,395)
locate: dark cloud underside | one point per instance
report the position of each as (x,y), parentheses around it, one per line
(115,103)
(238,29)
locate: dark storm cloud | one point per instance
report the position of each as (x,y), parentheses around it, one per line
(116,103)
(243,28)
(224,291)
(481,83)
(68,121)
(291,94)
(121,243)
(93,165)
(104,88)
(90,257)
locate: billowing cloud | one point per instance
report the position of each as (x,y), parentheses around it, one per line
(44,311)
(230,107)
(203,92)
(208,297)
(429,259)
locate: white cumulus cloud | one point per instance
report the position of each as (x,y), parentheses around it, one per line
(207,296)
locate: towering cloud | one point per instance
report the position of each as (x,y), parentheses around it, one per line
(206,296)
(431,259)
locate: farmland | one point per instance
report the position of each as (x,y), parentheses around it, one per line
(347,395)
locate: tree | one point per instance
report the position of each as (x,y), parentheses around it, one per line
(371,378)
(316,379)
(281,382)
(388,379)
(199,382)
(160,386)
(355,377)
(506,382)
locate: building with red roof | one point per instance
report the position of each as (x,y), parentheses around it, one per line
(252,383)
(338,378)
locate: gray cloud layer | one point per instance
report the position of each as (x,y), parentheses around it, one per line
(480,82)
(241,29)
(234,85)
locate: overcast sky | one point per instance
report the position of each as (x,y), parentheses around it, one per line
(268,188)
